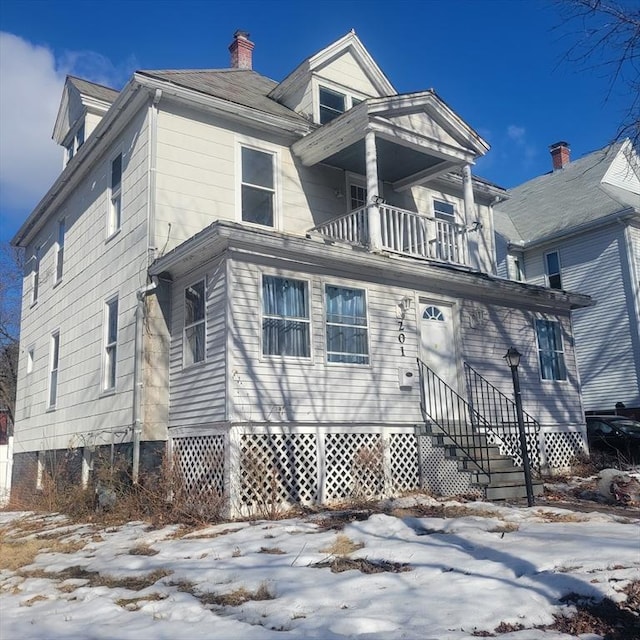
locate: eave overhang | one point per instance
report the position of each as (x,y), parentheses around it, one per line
(302,253)
(439,142)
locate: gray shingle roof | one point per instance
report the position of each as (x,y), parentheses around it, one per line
(241,86)
(94,90)
(556,202)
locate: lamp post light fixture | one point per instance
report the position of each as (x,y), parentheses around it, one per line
(513,360)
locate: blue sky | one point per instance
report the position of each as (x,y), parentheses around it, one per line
(497,63)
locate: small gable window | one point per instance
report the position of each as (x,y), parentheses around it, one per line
(333,103)
(552,264)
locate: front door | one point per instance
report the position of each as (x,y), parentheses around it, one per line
(438,352)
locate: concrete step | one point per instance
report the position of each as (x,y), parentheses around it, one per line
(512,491)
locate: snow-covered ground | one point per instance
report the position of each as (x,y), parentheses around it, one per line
(445,578)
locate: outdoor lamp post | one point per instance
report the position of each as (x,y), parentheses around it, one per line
(513,360)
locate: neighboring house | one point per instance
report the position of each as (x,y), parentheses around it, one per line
(578,228)
(248,270)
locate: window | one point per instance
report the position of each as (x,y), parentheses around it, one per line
(35,274)
(552,262)
(76,142)
(357,196)
(54,360)
(285,317)
(194,323)
(30,359)
(444,210)
(518,268)
(550,350)
(60,250)
(347,330)
(115,195)
(110,344)
(334,103)
(258,187)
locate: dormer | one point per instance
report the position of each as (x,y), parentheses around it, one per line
(333,81)
(82,107)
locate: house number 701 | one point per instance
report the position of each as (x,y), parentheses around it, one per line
(401,336)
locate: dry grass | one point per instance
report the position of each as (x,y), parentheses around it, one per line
(31,601)
(233,598)
(272,550)
(143,550)
(20,552)
(135,604)
(341,563)
(342,546)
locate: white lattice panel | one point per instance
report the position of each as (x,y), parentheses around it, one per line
(199,461)
(278,469)
(561,448)
(354,465)
(509,445)
(440,475)
(405,473)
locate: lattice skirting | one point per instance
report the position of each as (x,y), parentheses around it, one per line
(259,470)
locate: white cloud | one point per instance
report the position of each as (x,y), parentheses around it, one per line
(516,133)
(31,82)
(30,92)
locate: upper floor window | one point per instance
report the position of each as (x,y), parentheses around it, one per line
(347,327)
(286,325)
(110,344)
(60,249)
(115,195)
(31,354)
(332,103)
(444,210)
(518,268)
(35,274)
(54,361)
(258,191)
(552,265)
(550,350)
(194,323)
(75,142)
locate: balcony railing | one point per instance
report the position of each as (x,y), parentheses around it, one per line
(404,232)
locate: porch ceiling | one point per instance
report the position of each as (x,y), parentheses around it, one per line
(417,137)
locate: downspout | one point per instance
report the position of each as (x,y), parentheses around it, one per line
(138,385)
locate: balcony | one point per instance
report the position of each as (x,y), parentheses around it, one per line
(402,232)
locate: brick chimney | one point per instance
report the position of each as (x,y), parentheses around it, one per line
(241,49)
(560,154)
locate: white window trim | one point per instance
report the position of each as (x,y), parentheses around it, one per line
(35,274)
(446,200)
(59,263)
(54,336)
(357,180)
(112,229)
(275,151)
(105,388)
(72,145)
(31,354)
(287,276)
(350,94)
(547,275)
(551,381)
(346,285)
(185,326)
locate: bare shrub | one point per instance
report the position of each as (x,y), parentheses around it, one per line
(262,485)
(367,471)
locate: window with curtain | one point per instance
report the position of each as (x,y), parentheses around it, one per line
(347,329)
(286,324)
(550,350)
(194,323)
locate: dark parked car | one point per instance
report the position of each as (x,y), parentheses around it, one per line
(615,436)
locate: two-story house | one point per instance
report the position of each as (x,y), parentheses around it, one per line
(290,285)
(578,228)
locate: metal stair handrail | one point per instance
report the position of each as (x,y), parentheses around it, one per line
(500,412)
(457,419)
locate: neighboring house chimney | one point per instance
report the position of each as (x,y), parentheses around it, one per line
(560,154)
(241,49)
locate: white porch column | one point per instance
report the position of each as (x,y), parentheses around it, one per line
(470,216)
(373,211)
